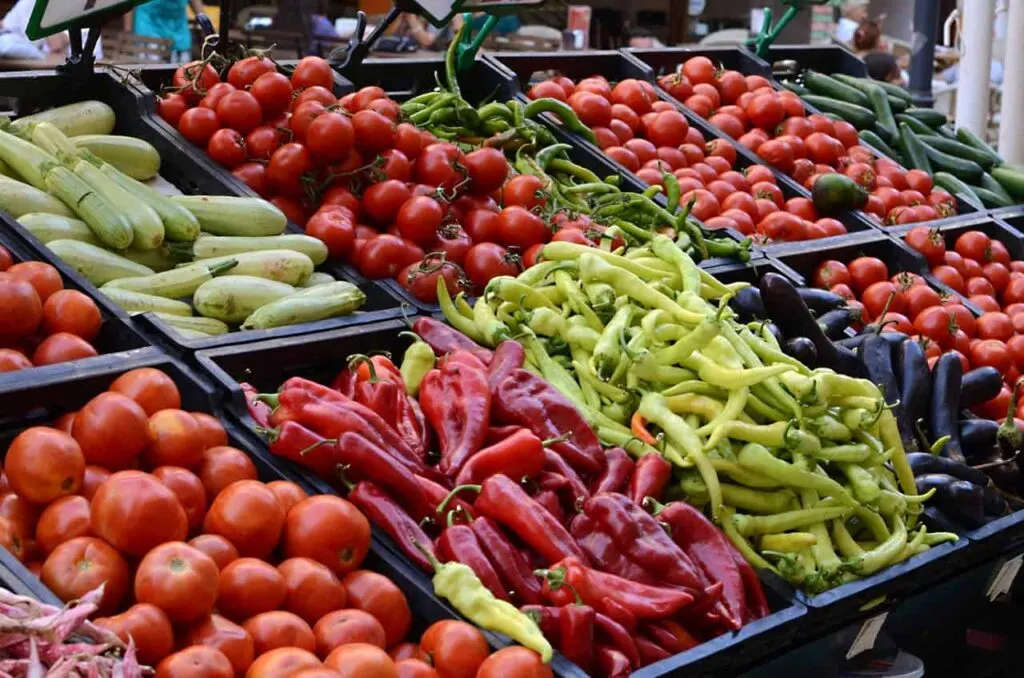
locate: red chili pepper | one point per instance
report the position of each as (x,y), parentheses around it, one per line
(663,637)
(465,358)
(710,550)
(618,613)
(618,470)
(457,404)
(650,651)
(508,356)
(437,493)
(576,626)
(548,499)
(557,464)
(529,401)
(618,636)
(258,410)
(612,663)
(443,339)
(496,434)
(604,552)
(757,603)
(383,391)
(511,564)
(652,474)
(682,636)
(593,587)
(546,617)
(294,441)
(519,455)
(392,518)
(367,461)
(459,543)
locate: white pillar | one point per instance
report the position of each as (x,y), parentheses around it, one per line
(1011,133)
(972,96)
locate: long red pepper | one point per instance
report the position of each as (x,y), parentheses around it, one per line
(459,543)
(457,403)
(664,638)
(527,400)
(367,461)
(618,636)
(385,395)
(511,564)
(650,651)
(612,663)
(576,630)
(757,603)
(466,359)
(437,493)
(650,477)
(604,552)
(294,441)
(443,339)
(556,463)
(508,356)
(495,434)
(546,617)
(617,473)
(258,410)
(519,455)
(392,518)
(548,499)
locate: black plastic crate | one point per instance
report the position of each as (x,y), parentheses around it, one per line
(116,339)
(822,58)
(804,257)
(528,67)
(43,400)
(157,77)
(667,59)
(1012,217)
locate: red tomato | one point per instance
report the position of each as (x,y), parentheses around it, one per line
(864,271)
(995,326)
(950,277)
(830,273)
(198,125)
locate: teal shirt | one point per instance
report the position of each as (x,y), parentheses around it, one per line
(165,19)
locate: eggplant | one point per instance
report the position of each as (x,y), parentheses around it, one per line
(785,306)
(876,356)
(977,438)
(944,409)
(852,343)
(802,349)
(748,305)
(915,382)
(924,463)
(835,322)
(820,301)
(995,504)
(775,332)
(979,386)
(937,521)
(961,501)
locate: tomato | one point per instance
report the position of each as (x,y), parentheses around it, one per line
(699,69)
(995,326)
(803,208)
(61,348)
(383,201)
(134,512)
(361,660)
(287,168)
(111,430)
(63,520)
(373,132)
(996,408)
(247,514)
(720,190)
(964,318)
(919,181)
(80,565)
(253,175)
(419,219)
(905,281)
(240,111)
(824,149)
(1015,345)
(384,256)
(765,111)
(992,353)
(312,71)
(196,661)
(342,627)
(330,136)
(938,324)
(213,432)
(179,579)
(282,663)
(420,278)
(225,636)
(456,648)
(414,668)
(532,255)
(43,278)
(215,94)
(94,477)
(950,277)
(522,228)
(777,153)
(273,91)
(877,297)
(928,242)
(974,245)
(985,302)
(171,107)
(21,310)
(865,271)
(487,169)
(782,226)
(514,661)
(524,190)
(972,269)
(441,165)
(895,322)
(768,191)
(303,117)
(668,128)
(147,627)
(999,254)
(21,516)
(189,490)
(328,530)
(249,586)
(376,594)
(631,94)
(12,360)
(547,89)
(275,629)
(192,80)
(593,110)
(918,298)
(312,589)
(979,286)
(335,228)
(488,260)
(830,273)
(288,493)
(705,204)
(43,464)
(175,439)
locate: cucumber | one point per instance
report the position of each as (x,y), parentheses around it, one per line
(285,266)
(1012,180)
(309,305)
(959,150)
(84,117)
(871,139)
(989,183)
(966,170)
(222,215)
(944,131)
(209,246)
(92,207)
(176,283)
(955,186)
(824,85)
(990,199)
(147,228)
(18,199)
(896,92)
(95,264)
(919,127)
(137,302)
(928,116)
(208,326)
(969,138)
(796,88)
(858,116)
(232,299)
(837,193)
(318,278)
(915,153)
(885,120)
(179,223)
(896,104)
(47,227)
(135,157)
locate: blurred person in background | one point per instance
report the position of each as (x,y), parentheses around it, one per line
(15,44)
(166,19)
(853,14)
(884,66)
(425,35)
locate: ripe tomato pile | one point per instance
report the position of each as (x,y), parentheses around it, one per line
(41,323)
(775,126)
(980,268)
(269,581)
(650,137)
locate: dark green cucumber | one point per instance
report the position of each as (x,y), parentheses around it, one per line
(955,186)
(928,116)
(919,127)
(944,131)
(872,139)
(827,86)
(1012,180)
(884,118)
(896,91)
(795,87)
(896,104)
(989,183)
(969,138)
(858,116)
(990,199)
(915,153)
(959,150)
(966,170)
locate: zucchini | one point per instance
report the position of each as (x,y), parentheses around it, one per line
(137,302)
(915,153)
(1010,179)
(885,120)
(93,208)
(858,116)
(928,116)
(47,137)
(84,117)
(959,150)
(308,305)
(185,333)
(25,158)
(318,278)
(287,266)
(990,199)
(47,227)
(210,246)
(176,283)
(18,199)
(232,299)
(827,86)
(966,170)
(208,326)
(955,186)
(871,139)
(222,215)
(135,157)
(969,138)
(159,259)
(179,223)
(919,127)
(95,264)
(147,228)
(989,183)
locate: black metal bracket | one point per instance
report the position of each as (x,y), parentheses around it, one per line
(346,60)
(82,60)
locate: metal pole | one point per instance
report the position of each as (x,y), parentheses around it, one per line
(922,61)
(1011,136)
(972,96)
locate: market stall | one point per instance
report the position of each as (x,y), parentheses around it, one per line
(594,363)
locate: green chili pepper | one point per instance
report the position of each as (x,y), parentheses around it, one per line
(761,408)
(493,330)
(590,188)
(853,453)
(828,427)
(730,379)
(508,288)
(913,547)
(571,252)
(890,436)
(865,487)
(551,370)
(572,169)
(454,317)
(757,501)
(744,476)
(787,542)
(696,340)
(844,541)
(587,376)
(748,525)
(422,99)
(546,155)
(651,191)
(563,111)
(667,252)
(493,110)
(733,409)
(416,362)
(594,268)
(741,544)
(756,457)
(582,357)
(936,538)
(874,560)
(671,190)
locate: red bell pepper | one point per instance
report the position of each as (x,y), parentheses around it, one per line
(605,553)
(444,339)
(258,410)
(457,403)
(576,630)
(508,356)
(617,473)
(392,518)
(511,564)
(650,477)
(521,454)
(459,543)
